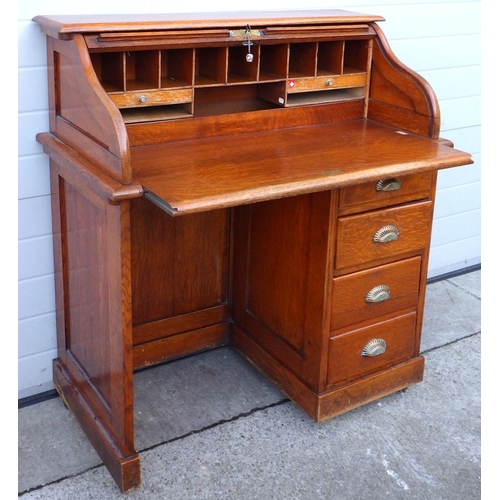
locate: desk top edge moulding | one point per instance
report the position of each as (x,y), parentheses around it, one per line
(263,180)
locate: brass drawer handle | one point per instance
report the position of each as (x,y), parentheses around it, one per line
(374,348)
(388,185)
(378,293)
(386,234)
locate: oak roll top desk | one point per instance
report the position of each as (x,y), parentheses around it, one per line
(261,180)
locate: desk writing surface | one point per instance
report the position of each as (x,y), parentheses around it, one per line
(194,176)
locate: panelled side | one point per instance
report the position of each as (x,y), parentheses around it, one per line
(93,371)
(280,269)
(180,282)
(398,96)
(81,113)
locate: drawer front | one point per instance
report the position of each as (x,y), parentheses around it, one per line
(381,290)
(326,82)
(151,98)
(387,191)
(345,352)
(382,234)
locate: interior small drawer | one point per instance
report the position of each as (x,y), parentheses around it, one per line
(151,98)
(382,290)
(326,82)
(384,192)
(367,350)
(382,234)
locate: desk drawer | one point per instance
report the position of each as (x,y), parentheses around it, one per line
(345,352)
(326,82)
(384,192)
(151,98)
(382,234)
(381,290)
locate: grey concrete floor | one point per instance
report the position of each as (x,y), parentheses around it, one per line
(210,427)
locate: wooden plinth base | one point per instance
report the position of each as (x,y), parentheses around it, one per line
(339,400)
(126,471)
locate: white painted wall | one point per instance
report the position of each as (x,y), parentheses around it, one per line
(440,39)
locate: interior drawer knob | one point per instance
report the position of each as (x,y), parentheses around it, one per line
(374,348)
(378,293)
(388,185)
(142,98)
(386,234)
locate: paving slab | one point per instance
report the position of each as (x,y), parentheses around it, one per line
(423,443)
(213,396)
(471,282)
(452,311)
(193,393)
(170,401)
(51,445)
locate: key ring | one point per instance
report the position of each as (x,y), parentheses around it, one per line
(248,43)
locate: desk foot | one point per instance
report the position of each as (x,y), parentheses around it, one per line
(125,470)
